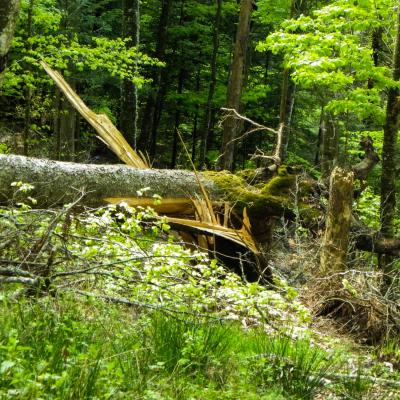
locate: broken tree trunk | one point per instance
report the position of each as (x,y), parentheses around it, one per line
(57,183)
(336,239)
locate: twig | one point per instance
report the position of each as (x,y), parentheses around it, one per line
(15,272)
(231,112)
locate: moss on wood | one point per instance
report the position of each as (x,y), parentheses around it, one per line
(273,197)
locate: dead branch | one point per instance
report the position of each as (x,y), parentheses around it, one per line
(232,113)
(371,158)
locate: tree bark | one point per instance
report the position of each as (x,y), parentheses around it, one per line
(151,112)
(329,145)
(335,244)
(129,95)
(67,130)
(206,130)
(288,90)
(230,126)
(389,153)
(57,183)
(181,80)
(8,20)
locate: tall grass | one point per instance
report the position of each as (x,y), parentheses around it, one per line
(297,366)
(64,348)
(191,345)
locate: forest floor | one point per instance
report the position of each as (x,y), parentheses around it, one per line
(126,311)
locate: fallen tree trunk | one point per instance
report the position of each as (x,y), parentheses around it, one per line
(58,183)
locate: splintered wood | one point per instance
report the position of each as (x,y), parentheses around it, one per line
(106,130)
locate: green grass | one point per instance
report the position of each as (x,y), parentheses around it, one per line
(68,348)
(74,348)
(298,366)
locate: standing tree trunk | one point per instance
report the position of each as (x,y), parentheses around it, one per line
(9,10)
(230,126)
(335,244)
(129,96)
(181,79)
(28,89)
(391,127)
(206,130)
(329,144)
(195,119)
(286,111)
(67,130)
(151,113)
(288,93)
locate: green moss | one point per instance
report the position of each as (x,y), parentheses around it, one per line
(236,190)
(249,175)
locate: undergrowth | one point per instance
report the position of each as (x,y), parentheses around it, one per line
(64,348)
(107,304)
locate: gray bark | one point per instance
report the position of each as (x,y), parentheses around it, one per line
(329,144)
(211,90)
(230,126)
(8,20)
(59,183)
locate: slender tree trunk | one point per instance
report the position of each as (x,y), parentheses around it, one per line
(289,88)
(181,79)
(336,239)
(286,111)
(230,126)
(9,10)
(28,89)
(129,95)
(329,145)
(196,118)
(151,114)
(67,130)
(56,124)
(206,129)
(389,153)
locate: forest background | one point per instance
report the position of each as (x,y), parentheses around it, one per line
(322,74)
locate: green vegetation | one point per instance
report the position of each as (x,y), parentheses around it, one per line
(137,315)
(111,303)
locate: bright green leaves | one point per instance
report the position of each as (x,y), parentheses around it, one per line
(65,51)
(332,51)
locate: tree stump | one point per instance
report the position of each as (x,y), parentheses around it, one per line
(336,239)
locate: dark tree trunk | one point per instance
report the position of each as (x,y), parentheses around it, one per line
(56,124)
(389,156)
(335,244)
(67,130)
(389,153)
(28,89)
(206,129)
(195,119)
(129,96)
(181,79)
(8,20)
(230,126)
(288,91)
(151,113)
